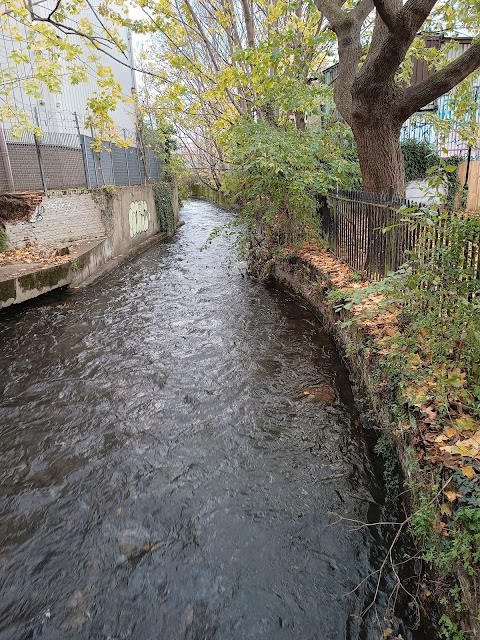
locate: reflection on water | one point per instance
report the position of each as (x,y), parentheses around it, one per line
(162,475)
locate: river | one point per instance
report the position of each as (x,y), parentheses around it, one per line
(163,477)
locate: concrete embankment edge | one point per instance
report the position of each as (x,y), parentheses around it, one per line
(115,226)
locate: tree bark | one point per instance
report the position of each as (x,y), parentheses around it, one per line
(380,156)
(300,120)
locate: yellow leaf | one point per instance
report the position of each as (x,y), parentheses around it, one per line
(468,471)
(465,451)
(445,509)
(451,495)
(467,423)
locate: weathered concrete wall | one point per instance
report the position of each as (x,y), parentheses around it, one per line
(128,216)
(124,216)
(175,202)
(101,227)
(16,288)
(60,219)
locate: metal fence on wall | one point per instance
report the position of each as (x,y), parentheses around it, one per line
(422,130)
(63,158)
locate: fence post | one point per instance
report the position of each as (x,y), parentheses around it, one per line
(141,152)
(126,159)
(84,150)
(6,161)
(39,155)
(94,163)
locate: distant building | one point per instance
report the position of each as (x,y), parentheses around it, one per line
(63,157)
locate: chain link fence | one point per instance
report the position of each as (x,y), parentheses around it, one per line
(63,158)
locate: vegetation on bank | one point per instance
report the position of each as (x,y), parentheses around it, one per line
(162,193)
(419,332)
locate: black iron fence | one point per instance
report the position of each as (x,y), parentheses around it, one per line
(369,233)
(65,158)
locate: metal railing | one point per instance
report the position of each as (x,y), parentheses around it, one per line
(369,233)
(63,158)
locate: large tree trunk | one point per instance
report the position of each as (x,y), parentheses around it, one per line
(380,155)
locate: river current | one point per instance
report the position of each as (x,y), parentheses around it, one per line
(162,474)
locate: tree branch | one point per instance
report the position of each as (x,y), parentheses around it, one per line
(249,26)
(361,12)
(389,17)
(332,11)
(441,82)
(414,13)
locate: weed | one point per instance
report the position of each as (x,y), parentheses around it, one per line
(450,630)
(3,239)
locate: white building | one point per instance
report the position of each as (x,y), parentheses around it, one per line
(55,110)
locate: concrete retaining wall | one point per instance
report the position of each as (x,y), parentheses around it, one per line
(128,216)
(100,226)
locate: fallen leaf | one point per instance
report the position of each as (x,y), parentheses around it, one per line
(466,423)
(468,471)
(445,509)
(451,495)
(438,526)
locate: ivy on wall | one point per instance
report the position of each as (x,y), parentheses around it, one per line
(421,160)
(419,157)
(3,239)
(164,207)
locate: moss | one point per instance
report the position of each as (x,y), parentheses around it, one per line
(7,290)
(164,207)
(45,278)
(82,261)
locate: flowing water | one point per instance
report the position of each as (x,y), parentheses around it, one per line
(162,475)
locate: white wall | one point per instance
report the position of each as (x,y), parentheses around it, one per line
(60,219)
(420,192)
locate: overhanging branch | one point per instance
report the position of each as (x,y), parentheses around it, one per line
(441,82)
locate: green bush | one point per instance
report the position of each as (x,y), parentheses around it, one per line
(3,239)
(419,157)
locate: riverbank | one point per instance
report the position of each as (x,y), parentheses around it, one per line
(440,479)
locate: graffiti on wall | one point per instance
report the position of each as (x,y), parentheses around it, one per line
(138,217)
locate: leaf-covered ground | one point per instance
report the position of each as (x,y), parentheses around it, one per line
(32,255)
